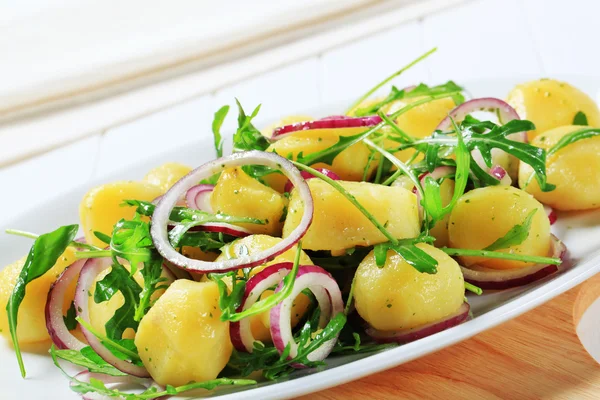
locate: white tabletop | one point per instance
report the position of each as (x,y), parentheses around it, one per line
(480,39)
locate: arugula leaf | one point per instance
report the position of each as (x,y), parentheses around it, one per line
(132,241)
(41,258)
(580,118)
(329,154)
(69,319)
(87,358)
(206,241)
(501,255)
(515,236)
(119,280)
(247,137)
(98,387)
(345,262)
(216,129)
(572,138)
(152,274)
(124,349)
(389,78)
(414,256)
(103,237)
(212,180)
(418,91)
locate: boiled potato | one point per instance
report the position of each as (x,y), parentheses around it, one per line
(182,338)
(421,121)
(337,224)
(166,175)
(101,208)
(239,195)
(398,296)
(100,313)
(289,120)
(260,324)
(484,215)
(549,103)
(31,320)
(350,164)
(574,171)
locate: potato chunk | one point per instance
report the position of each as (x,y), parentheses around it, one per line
(574,171)
(182,338)
(31,321)
(101,208)
(398,296)
(261,324)
(549,103)
(166,175)
(239,195)
(337,224)
(349,164)
(484,215)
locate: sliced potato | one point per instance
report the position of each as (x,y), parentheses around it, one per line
(485,215)
(574,171)
(101,207)
(398,296)
(549,103)
(239,195)
(31,320)
(337,224)
(182,338)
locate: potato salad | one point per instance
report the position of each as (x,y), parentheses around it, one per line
(316,237)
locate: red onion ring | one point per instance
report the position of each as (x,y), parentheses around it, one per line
(500,173)
(307,175)
(222,227)
(55,323)
(410,335)
(495,279)
(90,271)
(198,197)
(329,297)
(87,376)
(551,213)
(332,122)
(240,331)
(160,218)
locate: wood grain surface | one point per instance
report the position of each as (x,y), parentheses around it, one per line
(535,356)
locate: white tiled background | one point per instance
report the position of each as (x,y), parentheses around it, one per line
(480,39)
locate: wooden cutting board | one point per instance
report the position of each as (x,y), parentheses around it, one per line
(535,356)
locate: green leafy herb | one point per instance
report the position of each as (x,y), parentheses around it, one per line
(389,78)
(205,241)
(69,319)
(30,235)
(97,386)
(216,129)
(580,119)
(474,289)
(119,280)
(122,348)
(44,253)
(103,237)
(572,138)
(504,256)
(247,137)
(87,358)
(412,92)
(407,249)
(515,236)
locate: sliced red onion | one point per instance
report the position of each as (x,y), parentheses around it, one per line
(419,332)
(551,213)
(90,271)
(198,197)
(160,218)
(326,123)
(222,227)
(55,323)
(240,331)
(307,175)
(87,376)
(497,279)
(329,298)
(500,173)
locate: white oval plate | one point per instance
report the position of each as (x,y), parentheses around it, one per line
(581,233)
